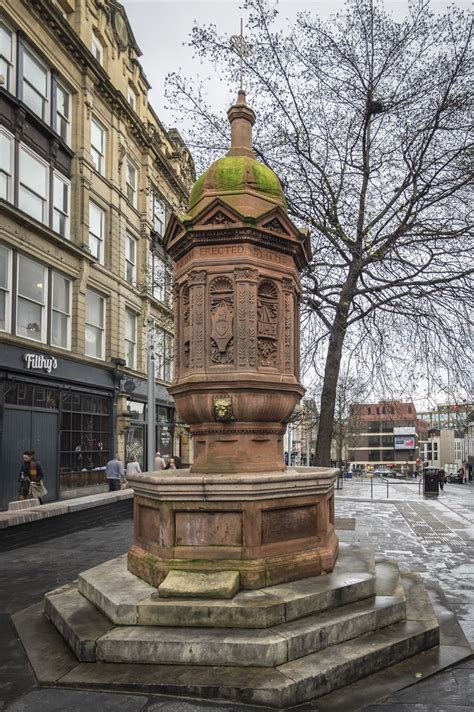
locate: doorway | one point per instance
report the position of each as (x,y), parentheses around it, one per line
(28,429)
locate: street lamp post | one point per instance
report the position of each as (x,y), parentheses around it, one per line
(151,419)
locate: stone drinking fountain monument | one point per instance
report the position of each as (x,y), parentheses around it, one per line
(236,297)
(235,586)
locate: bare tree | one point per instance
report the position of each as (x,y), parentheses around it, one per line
(366,120)
(350,390)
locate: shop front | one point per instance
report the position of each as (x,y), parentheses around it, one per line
(135,431)
(64,411)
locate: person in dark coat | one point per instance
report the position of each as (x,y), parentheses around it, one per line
(30,471)
(441,478)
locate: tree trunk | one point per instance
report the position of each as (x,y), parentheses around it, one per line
(328,396)
(332,368)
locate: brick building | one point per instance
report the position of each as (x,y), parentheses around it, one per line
(386,433)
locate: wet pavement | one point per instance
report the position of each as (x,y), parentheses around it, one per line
(432,537)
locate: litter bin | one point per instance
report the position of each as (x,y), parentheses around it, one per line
(431,482)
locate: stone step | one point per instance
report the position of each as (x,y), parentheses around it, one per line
(246,647)
(290,684)
(126,600)
(330,669)
(81,624)
(78,621)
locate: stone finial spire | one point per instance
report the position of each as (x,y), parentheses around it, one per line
(241,119)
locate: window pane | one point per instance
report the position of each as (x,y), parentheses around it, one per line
(96,220)
(131,174)
(61,190)
(32,204)
(93,341)
(62,101)
(4,260)
(130,249)
(36,74)
(5,43)
(3,186)
(60,223)
(33,174)
(94,309)
(5,158)
(95,247)
(60,293)
(29,319)
(59,330)
(130,354)
(97,136)
(158,215)
(130,321)
(61,206)
(34,100)
(3,310)
(31,280)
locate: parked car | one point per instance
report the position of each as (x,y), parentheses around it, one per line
(387,472)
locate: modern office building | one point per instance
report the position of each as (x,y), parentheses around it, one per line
(386,433)
(88,175)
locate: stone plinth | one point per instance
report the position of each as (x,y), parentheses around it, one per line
(271,527)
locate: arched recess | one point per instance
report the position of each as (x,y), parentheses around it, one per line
(267,324)
(221,295)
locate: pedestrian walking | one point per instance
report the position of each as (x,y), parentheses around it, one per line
(31,478)
(115,473)
(171,464)
(160,464)
(441,479)
(462,475)
(133,467)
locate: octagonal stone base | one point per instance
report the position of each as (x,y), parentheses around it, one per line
(271,527)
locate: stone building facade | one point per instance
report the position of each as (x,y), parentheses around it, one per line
(88,175)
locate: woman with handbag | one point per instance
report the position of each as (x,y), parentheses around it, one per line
(31,478)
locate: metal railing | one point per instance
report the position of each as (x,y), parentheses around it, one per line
(380,481)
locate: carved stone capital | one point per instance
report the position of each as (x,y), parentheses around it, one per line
(197,277)
(287,284)
(245,274)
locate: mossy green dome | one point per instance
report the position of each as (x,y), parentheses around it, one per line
(238,174)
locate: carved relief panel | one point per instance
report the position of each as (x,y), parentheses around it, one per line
(246,280)
(197,284)
(186,312)
(267,324)
(221,302)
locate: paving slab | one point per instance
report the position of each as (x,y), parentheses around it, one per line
(49,654)
(54,700)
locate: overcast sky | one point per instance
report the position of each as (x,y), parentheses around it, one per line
(162,29)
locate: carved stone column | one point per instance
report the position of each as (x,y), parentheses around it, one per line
(246,310)
(197,295)
(288,326)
